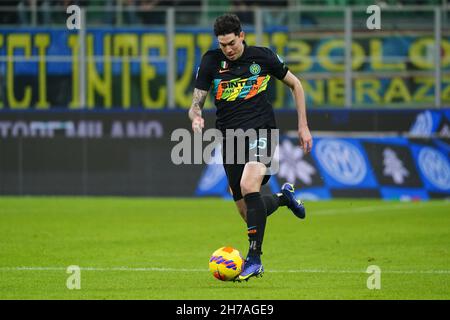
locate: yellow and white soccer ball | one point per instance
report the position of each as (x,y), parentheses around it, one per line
(226,263)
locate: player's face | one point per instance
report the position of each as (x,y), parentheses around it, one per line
(232,45)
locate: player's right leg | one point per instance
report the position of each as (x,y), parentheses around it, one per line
(251,180)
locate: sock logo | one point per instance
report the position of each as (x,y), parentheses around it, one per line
(251,230)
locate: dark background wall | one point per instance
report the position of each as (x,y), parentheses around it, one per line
(130,153)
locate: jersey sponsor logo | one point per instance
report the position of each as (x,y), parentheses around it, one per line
(435,167)
(238,88)
(238,84)
(341,160)
(225,70)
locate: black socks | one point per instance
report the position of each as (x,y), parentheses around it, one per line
(283,200)
(258,209)
(256,222)
(273,201)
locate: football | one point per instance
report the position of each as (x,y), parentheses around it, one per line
(226,263)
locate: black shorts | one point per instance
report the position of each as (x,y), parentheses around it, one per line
(259,147)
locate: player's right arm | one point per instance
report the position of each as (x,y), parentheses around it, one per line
(195,112)
(202,85)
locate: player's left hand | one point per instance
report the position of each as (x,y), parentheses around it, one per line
(305,139)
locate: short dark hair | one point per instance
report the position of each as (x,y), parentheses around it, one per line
(227,23)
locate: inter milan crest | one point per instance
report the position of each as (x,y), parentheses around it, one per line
(255,69)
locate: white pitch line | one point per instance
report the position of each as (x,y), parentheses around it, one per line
(6,269)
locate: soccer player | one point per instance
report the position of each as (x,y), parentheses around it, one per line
(239,75)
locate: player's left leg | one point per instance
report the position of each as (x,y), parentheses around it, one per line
(296,206)
(272,202)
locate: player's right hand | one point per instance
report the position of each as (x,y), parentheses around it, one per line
(198,123)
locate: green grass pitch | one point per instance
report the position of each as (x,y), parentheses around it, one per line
(135,248)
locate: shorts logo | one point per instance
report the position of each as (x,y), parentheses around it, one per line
(342,161)
(255,69)
(434,167)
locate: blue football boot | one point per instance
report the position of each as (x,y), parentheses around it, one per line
(296,206)
(252,268)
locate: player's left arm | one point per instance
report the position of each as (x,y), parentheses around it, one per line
(298,93)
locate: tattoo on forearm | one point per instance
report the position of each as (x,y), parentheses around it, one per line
(198,101)
(199,98)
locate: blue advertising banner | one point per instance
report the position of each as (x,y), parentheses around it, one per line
(95,153)
(433,166)
(389,168)
(343,163)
